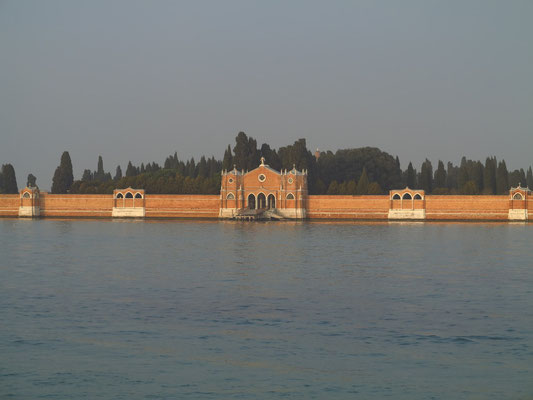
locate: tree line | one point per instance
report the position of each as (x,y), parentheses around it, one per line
(359,171)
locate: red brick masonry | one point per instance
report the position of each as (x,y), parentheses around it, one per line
(316,206)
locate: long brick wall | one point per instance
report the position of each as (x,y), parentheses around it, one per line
(347,207)
(182,206)
(317,206)
(467,207)
(76,205)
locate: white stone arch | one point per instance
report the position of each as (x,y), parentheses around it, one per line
(407,196)
(290,196)
(418,196)
(26,195)
(230,196)
(119,195)
(129,195)
(138,195)
(396,196)
(518,196)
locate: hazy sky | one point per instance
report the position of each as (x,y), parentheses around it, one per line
(137,80)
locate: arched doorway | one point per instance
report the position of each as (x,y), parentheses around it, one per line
(251,202)
(261,200)
(271,201)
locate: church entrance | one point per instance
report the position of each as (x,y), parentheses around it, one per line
(251,202)
(271,200)
(261,201)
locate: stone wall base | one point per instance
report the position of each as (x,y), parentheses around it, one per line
(227,213)
(291,213)
(288,213)
(407,214)
(518,215)
(29,211)
(128,212)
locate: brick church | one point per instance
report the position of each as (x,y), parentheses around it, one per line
(263,193)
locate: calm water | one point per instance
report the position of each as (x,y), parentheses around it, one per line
(204,310)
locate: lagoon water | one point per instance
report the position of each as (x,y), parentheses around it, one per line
(223,310)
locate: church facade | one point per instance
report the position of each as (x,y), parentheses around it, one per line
(263,192)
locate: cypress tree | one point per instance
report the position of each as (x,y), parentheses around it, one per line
(87,175)
(362,185)
(333,188)
(529,178)
(351,187)
(463,177)
(1,182)
(426,176)
(489,176)
(502,178)
(63,176)
(99,175)
(227,162)
(245,153)
(9,179)
(118,173)
(440,176)
(130,170)
(411,176)
(374,188)
(31,181)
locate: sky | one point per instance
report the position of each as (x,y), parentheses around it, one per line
(138,80)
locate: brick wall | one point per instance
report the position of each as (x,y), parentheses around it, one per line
(347,207)
(182,206)
(76,205)
(467,207)
(9,205)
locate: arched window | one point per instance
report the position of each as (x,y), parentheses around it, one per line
(26,195)
(396,197)
(407,196)
(418,197)
(129,195)
(138,196)
(120,196)
(518,196)
(251,202)
(290,196)
(230,196)
(271,201)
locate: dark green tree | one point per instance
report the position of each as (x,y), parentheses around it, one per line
(202,167)
(502,178)
(31,181)
(374,188)
(529,178)
(118,173)
(426,176)
(245,153)
(440,176)
(362,185)
(489,176)
(99,175)
(63,176)
(227,161)
(411,176)
(130,170)
(9,179)
(87,175)
(271,157)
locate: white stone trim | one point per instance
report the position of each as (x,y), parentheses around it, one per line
(407,214)
(128,212)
